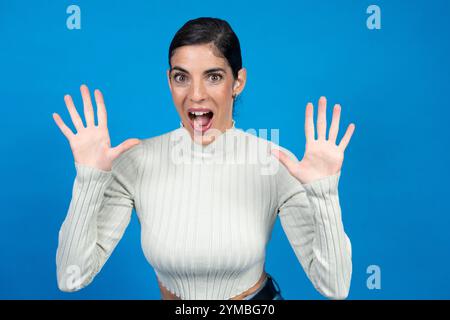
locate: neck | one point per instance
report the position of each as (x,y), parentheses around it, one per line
(205,139)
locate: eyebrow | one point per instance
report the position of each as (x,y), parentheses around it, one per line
(205,72)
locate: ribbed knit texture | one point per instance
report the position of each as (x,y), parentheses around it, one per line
(206,215)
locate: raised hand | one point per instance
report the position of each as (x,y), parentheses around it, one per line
(322,157)
(91,144)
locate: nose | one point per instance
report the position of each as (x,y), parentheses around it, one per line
(197,92)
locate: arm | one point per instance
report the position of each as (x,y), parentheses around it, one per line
(310,215)
(98,214)
(309,203)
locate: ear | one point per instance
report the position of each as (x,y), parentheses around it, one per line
(239,83)
(168,80)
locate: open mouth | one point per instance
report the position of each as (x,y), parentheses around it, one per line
(200,118)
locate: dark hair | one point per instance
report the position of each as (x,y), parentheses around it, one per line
(205,30)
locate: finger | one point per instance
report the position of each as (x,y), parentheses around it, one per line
(322,119)
(284,159)
(76,120)
(87,106)
(124,146)
(347,136)
(62,126)
(309,122)
(334,127)
(101,109)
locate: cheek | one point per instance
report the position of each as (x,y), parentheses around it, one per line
(178,95)
(222,94)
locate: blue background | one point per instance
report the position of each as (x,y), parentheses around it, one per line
(392,83)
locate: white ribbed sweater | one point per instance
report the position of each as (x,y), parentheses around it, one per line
(206,216)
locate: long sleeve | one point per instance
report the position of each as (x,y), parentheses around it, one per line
(98,214)
(310,215)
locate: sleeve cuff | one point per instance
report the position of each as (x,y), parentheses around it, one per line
(324,186)
(86,173)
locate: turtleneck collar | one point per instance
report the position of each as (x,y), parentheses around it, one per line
(223,143)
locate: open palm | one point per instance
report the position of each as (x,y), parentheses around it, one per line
(322,157)
(91,145)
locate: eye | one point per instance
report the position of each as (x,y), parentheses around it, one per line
(179,77)
(215,77)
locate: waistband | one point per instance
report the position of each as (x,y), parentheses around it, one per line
(268,290)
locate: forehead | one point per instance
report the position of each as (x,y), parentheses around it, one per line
(198,57)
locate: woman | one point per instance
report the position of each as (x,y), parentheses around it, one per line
(206,209)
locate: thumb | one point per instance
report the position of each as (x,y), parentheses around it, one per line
(124,146)
(284,159)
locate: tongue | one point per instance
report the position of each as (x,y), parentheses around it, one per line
(201,120)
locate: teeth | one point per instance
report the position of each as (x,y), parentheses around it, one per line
(199,113)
